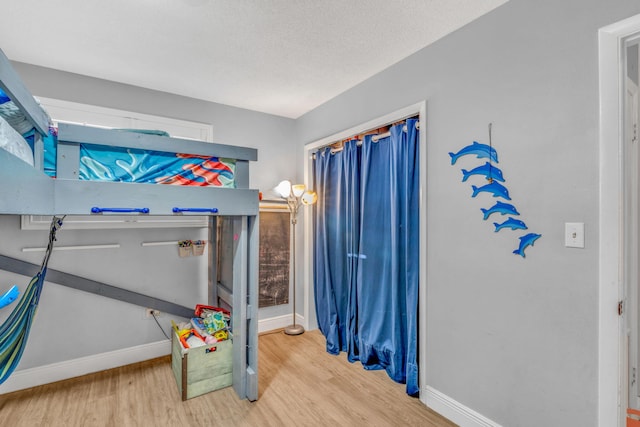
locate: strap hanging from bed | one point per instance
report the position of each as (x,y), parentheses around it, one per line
(15,329)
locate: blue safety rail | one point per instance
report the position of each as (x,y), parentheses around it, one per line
(97,210)
(200,210)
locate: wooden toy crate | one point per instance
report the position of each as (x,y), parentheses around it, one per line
(200,370)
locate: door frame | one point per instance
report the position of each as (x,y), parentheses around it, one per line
(611,330)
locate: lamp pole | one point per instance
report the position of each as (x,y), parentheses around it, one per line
(294,203)
(295,194)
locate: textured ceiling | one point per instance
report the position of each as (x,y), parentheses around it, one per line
(283,57)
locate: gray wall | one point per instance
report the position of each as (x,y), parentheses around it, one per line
(514,339)
(72,324)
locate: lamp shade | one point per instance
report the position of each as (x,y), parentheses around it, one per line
(309,198)
(297,190)
(283,189)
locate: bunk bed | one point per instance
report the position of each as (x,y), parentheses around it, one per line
(27,190)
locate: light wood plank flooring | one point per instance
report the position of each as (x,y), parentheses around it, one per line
(300,385)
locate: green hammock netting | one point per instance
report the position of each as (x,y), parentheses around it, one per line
(15,329)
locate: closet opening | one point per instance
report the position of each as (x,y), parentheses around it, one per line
(410,313)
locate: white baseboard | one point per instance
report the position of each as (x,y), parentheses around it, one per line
(40,375)
(455,411)
(278,322)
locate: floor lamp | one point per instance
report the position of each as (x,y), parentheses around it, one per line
(295,195)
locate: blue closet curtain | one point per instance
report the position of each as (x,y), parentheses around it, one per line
(366,253)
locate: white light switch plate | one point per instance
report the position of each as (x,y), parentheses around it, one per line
(574,234)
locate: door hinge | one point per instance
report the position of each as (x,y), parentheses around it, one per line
(620,307)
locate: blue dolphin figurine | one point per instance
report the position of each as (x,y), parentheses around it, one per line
(480,150)
(499,207)
(497,189)
(488,170)
(526,240)
(511,223)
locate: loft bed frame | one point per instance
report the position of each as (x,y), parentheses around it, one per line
(27,190)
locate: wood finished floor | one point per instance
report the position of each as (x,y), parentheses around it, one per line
(299,385)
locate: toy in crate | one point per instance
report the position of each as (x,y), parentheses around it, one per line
(201,352)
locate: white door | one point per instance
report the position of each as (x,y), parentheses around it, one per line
(630,396)
(631,243)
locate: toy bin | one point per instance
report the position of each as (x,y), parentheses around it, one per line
(184,251)
(198,247)
(200,370)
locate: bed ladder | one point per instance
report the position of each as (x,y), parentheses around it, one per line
(243,300)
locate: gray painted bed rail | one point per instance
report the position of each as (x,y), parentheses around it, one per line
(12,85)
(122,138)
(71,136)
(27,191)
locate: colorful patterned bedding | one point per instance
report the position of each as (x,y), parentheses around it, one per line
(116,164)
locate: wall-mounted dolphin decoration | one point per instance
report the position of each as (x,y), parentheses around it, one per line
(489,171)
(480,150)
(526,240)
(497,189)
(512,223)
(501,208)
(493,175)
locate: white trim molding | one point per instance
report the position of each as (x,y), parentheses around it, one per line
(278,322)
(40,375)
(456,411)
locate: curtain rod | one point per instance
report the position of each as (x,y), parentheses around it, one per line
(379,136)
(379,132)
